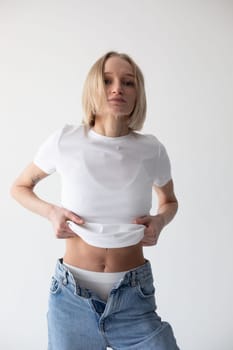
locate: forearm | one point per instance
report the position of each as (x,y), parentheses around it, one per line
(167,212)
(29,200)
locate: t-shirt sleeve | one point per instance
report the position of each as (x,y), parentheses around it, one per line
(46,157)
(163,167)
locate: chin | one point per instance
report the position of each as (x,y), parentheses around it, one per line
(120,113)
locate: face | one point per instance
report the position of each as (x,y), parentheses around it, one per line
(119,87)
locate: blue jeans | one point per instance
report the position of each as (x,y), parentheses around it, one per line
(79,320)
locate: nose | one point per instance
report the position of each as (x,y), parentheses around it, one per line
(117,88)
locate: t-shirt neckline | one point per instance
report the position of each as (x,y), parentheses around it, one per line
(96,135)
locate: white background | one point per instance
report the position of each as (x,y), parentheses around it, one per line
(185,50)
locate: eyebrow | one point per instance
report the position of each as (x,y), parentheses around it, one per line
(128,74)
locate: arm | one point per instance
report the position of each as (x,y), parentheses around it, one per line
(167,202)
(167,208)
(22,191)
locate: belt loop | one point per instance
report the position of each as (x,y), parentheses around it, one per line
(65,278)
(133,279)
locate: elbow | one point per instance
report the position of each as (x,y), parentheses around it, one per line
(176,204)
(13,191)
(16,189)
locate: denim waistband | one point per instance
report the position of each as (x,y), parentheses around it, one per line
(132,277)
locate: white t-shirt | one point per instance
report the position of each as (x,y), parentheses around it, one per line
(105,180)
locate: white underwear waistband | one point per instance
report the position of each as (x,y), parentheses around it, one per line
(100,282)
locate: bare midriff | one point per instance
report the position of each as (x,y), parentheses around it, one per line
(80,254)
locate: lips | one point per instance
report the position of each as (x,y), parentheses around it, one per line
(117,100)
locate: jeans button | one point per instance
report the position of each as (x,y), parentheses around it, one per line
(64,281)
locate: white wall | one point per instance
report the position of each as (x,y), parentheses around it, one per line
(185,51)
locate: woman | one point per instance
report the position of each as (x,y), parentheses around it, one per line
(102,291)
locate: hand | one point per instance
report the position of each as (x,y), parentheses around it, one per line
(58,217)
(154,225)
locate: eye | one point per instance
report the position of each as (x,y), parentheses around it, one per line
(107,81)
(128,83)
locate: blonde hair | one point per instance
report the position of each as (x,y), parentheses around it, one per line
(94,92)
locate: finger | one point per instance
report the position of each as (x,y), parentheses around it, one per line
(150,237)
(148,242)
(142,220)
(70,232)
(145,240)
(70,235)
(75,218)
(63,234)
(69,229)
(148,233)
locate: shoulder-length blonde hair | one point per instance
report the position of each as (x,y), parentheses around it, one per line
(94,92)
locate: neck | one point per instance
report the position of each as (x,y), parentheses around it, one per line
(111,127)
